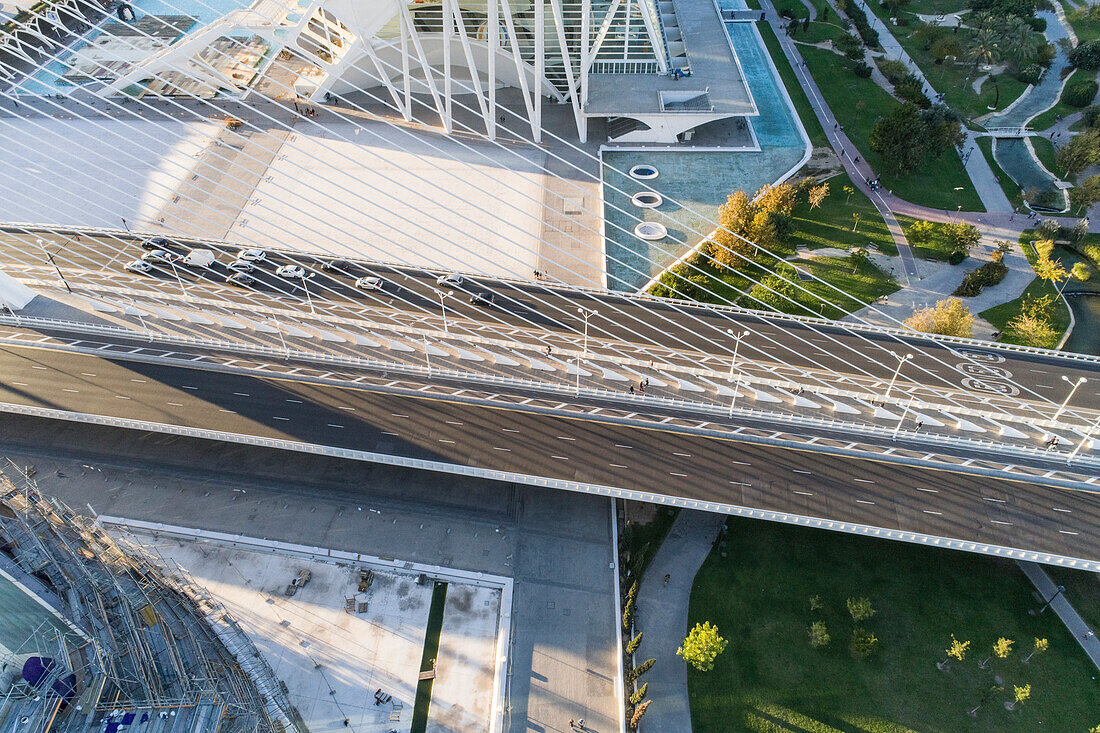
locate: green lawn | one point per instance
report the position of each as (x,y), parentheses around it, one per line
(830,225)
(797,9)
(1044,151)
(769,680)
(1012,191)
(858,103)
(1000,315)
(858,288)
(936,248)
(1046,119)
(798,96)
(819,31)
(1086,29)
(953,80)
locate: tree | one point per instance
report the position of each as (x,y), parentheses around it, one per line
(955,650)
(1080,272)
(745,224)
(961,236)
(949,317)
(1085,193)
(1031,330)
(702,646)
(1020,693)
(638,713)
(859,257)
(1039,647)
(1001,649)
(1082,151)
(899,138)
(640,670)
(776,290)
(1050,270)
(817,194)
(848,191)
(920,231)
(864,643)
(632,645)
(628,607)
(860,609)
(856,216)
(815,603)
(639,694)
(984,47)
(819,635)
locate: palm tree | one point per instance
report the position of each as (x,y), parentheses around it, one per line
(984,47)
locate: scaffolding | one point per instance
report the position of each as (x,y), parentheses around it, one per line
(146,649)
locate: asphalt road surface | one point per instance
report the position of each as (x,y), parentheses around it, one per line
(934,502)
(528,309)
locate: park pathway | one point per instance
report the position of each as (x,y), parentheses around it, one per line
(1059,604)
(663,617)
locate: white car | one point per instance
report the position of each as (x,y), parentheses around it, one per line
(252,255)
(451,279)
(160,255)
(241,266)
(291,271)
(369,283)
(139,266)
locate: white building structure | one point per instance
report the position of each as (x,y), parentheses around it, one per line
(656,69)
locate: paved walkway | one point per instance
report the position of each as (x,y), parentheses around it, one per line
(1070,617)
(663,617)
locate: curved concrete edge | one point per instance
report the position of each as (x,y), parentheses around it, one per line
(583,487)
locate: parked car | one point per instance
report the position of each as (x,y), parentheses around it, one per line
(451,279)
(241,266)
(336,266)
(155,243)
(369,283)
(160,255)
(291,271)
(241,278)
(200,258)
(139,266)
(252,255)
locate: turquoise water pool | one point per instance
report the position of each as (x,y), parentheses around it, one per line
(698,181)
(49,81)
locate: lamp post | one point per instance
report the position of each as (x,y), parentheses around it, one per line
(737,385)
(183,291)
(50,259)
(1078,383)
(1088,436)
(585,314)
(1060,591)
(443,306)
(428,356)
(309,299)
(901,362)
(279,330)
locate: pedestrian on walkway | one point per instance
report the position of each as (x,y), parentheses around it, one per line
(836,125)
(1089,634)
(572,725)
(632,389)
(548,350)
(580,723)
(856,161)
(647,381)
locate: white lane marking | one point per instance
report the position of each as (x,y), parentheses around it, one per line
(297,402)
(334,425)
(617,465)
(509,430)
(20,384)
(741,463)
(242,394)
(740,483)
(999,501)
(930,491)
(139,381)
(863,501)
(349,409)
(864,480)
(176,404)
(387,432)
(1039,371)
(799,470)
(507,450)
(681,475)
(231,412)
(76,391)
(565,437)
(188,387)
(86,374)
(804,493)
(453,422)
(997,521)
(394,414)
(1066,531)
(276,417)
(1067,511)
(928,511)
(444,440)
(560,458)
(38,367)
(628,447)
(684,455)
(121,397)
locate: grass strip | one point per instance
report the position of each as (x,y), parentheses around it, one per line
(427,662)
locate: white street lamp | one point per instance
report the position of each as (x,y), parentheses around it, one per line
(443,305)
(50,259)
(1078,383)
(585,314)
(901,362)
(428,356)
(279,330)
(737,385)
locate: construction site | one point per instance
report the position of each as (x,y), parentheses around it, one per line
(96,637)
